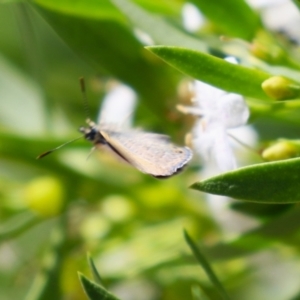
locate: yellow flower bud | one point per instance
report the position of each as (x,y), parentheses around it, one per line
(45,196)
(94,227)
(266,48)
(281,88)
(272,54)
(283,149)
(117,208)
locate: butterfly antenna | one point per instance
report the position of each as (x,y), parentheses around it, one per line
(84,97)
(52,150)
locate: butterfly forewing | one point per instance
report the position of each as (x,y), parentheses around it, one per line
(149,152)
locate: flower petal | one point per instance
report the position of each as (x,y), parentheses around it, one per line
(212,143)
(232,110)
(118,105)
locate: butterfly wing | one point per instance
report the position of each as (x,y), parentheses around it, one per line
(150,153)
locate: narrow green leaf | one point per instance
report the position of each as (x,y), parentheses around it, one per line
(93,290)
(45,285)
(260,210)
(296,297)
(297,2)
(94,270)
(205,265)
(83,8)
(234,17)
(274,182)
(215,71)
(159,29)
(282,229)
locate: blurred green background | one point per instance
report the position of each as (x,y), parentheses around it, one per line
(56,210)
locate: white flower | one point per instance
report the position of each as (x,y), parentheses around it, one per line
(192,18)
(118,106)
(218,111)
(279,15)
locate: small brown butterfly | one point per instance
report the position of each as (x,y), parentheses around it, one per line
(151,153)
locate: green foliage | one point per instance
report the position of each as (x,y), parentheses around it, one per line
(205,265)
(274,182)
(215,71)
(240,13)
(92,289)
(95,291)
(94,270)
(160,30)
(56,209)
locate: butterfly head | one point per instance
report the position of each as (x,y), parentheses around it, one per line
(91,133)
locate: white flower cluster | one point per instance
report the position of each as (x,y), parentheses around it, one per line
(218,111)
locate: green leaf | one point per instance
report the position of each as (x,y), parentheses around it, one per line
(275,182)
(297,2)
(158,28)
(260,210)
(205,265)
(218,72)
(108,46)
(95,291)
(45,285)
(234,17)
(94,270)
(90,9)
